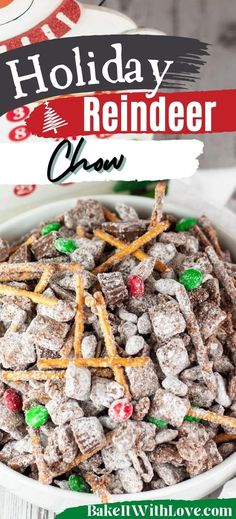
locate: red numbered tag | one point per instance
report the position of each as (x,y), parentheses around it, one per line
(21,190)
(19,114)
(20,133)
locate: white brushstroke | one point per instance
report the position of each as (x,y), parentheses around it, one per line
(145,160)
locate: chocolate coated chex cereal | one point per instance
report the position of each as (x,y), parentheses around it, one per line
(11,422)
(47,333)
(171,474)
(4,249)
(209,317)
(115,459)
(101,392)
(83,257)
(65,411)
(88,433)
(131,480)
(126,212)
(21,255)
(173,357)
(162,251)
(126,231)
(166,321)
(63,312)
(17,351)
(44,247)
(87,213)
(144,269)
(173,384)
(169,407)
(143,381)
(113,288)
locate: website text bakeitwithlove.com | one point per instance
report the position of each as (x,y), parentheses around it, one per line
(160,510)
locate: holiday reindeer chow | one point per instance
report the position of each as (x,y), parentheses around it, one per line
(117,350)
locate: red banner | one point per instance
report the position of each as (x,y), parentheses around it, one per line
(122,113)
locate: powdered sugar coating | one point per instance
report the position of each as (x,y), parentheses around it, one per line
(173,357)
(131,480)
(169,407)
(78,382)
(134,344)
(176,386)
(17,351)
(166,322)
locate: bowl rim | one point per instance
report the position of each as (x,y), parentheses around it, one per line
(215,474)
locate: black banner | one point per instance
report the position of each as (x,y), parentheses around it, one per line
(98,63)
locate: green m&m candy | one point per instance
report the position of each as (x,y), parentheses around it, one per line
(36,416)
(185,224)
(191,279)
(158,423)
(78,484)
(65,246)
(50,227)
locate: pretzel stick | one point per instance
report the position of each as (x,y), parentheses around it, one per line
(211,234)
(17,376)
(194,332)
(111,217)
(67,347)
(17,277)
(44,280)
(222,274)
(81,233)
(36,298)
(81,458)
(102,362)
(132,247)
(196,231)
(110,343)
(98,486)
(44,475)
(227,421)
(157,212)
(34,270)
(139,254)
(79,317)
(222,438)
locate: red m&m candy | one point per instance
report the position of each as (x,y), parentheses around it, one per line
(120,410)
(136,286)
(12,401)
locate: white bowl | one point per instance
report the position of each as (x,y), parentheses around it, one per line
(56,499)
